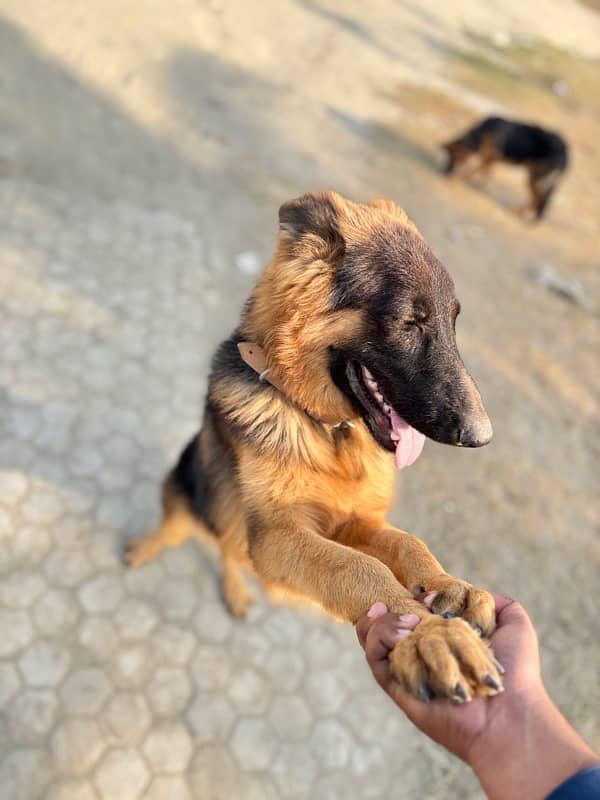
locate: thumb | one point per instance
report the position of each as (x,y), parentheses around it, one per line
(515,640)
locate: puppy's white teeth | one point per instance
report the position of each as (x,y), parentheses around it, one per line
(394,436)
(367,374)
(372,385)
(386,408)
(378,396)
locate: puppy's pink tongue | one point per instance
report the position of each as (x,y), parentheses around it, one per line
(409,442)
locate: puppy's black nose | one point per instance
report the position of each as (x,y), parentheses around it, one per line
(475,433)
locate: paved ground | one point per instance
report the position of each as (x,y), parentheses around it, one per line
(142,160)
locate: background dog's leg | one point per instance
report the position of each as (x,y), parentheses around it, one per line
(421,573)
(530,208)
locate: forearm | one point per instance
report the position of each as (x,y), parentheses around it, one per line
(539,751)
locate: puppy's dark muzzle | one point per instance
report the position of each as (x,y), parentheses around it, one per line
(475,433)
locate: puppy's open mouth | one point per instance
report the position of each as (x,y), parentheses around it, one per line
(387,426)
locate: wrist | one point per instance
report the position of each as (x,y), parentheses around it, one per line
(527,749)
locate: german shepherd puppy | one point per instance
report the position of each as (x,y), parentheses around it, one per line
(344,361)
(544,155)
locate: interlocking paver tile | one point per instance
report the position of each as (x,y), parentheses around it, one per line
(72,790)
(254,743)
(85,691)
(128,716)
(215,774)
(122,775)
(135,619)
(212,622)
(177,597)
(169,691)
(331,744)
(295,770)
(291,717)
(99,636)
(211,717)
(168,747)
(248,691)
(9,683)
(326,692)
(32,714)
(16,631)
(169,787)
(77,743)
(101,593)
(24,773)
(44,663)
(21,589)
(132,666)
(173,645)
(55,612)
(211,668)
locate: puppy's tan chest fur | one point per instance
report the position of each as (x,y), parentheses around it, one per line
(348,475)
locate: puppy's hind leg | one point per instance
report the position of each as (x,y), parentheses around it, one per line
(235,588)
(177,525)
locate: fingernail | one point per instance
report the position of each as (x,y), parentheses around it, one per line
(377,610)
(400,633)
(429,598)
(409,619)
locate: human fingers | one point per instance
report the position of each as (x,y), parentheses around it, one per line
(501,601)
(382,637)
(515,643)
(365,622)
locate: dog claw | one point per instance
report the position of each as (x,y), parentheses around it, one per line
(497,664)
(478,630)
(490,681)
(460,695)
(424,692)
(449,614)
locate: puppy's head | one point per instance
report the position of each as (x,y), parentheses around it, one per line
(357,315)
(457,153)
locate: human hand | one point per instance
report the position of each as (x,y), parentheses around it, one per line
(456,727)
(502,737)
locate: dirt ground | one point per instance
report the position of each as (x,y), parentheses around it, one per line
(217,112)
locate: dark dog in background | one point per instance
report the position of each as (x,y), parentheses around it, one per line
(543,153)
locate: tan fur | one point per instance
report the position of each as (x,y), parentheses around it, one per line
(309,498)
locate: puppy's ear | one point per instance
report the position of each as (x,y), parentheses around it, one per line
(399,214)
(388,205)
(312,221)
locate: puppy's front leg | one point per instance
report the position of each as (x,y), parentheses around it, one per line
(412,563)
(442,656)
(287,549)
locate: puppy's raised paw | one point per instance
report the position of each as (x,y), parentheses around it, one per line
(450,597)
(445,658)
